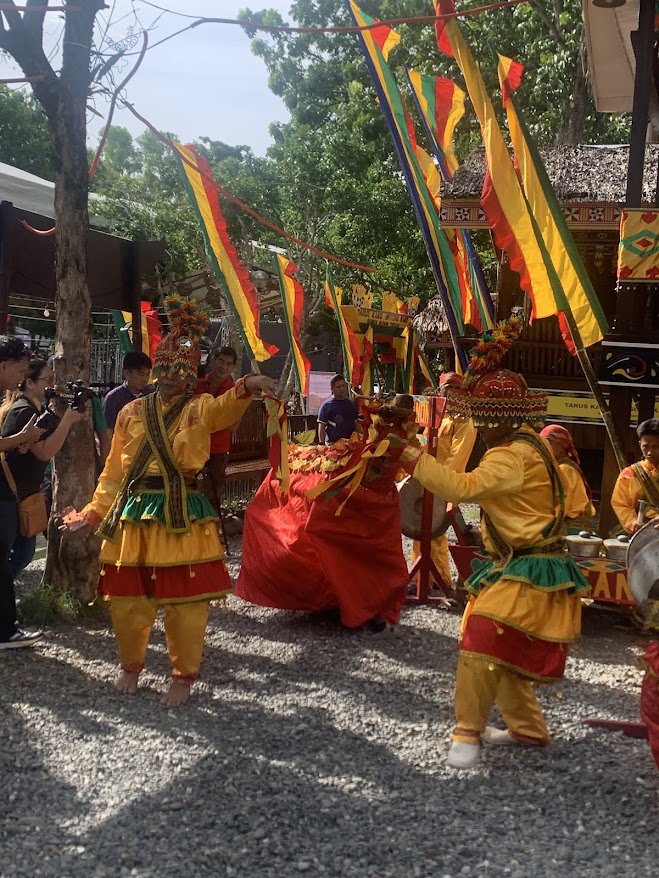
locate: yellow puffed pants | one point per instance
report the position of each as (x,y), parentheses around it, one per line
(185,629)
(480,685)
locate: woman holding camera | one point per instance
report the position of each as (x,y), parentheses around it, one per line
(28,467)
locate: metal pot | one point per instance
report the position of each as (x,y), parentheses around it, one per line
(616,549)
(643,563)
(584,545)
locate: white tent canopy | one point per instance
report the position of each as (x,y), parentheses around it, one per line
(29,192)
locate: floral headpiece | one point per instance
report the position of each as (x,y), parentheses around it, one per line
(179,351)
(490,395)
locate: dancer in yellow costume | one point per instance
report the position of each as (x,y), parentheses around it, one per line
(526,606)
(578,495)
(640,481)
(161,539)
(455,442)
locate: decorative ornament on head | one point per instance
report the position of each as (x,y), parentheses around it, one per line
(490,395)
(179,352)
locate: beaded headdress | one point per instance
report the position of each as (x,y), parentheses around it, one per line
(179,352)
(489,395)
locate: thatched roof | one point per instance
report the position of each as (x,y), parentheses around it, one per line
(578,173)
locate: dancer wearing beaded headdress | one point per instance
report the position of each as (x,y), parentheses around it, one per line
(161,540)
(525,605)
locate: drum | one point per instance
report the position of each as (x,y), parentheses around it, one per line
(410,493)
(643,563)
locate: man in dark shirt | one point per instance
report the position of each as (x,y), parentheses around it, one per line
(337,415)
(136,372)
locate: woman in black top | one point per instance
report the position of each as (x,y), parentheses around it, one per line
(28,467)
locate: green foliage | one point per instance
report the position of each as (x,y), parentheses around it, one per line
(44,605)
(24,137)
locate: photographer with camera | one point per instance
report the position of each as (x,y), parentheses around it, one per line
(14,357)
(27,469)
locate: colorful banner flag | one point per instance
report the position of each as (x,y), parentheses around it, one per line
(477,305)
(392,304)
(437,246)
(361,297)
(150,325)
(638,252)
(367,354)
(349,343)
(502,199)
(230,271)
(292,297)
(426,369)
(574,290)
(441,105)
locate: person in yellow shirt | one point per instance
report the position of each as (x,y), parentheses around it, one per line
(455,442)
(525,605)
(639,481)
(578,493)
(161,539)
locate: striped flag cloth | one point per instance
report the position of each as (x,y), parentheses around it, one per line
(349,343)
(229,270)
(292,297)
(441,106)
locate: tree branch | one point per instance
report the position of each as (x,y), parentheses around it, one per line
(551,24)
(33,21)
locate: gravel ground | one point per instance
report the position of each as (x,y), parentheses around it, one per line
(309,750)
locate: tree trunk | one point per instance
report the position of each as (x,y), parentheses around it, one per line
(72,563)
(571,131)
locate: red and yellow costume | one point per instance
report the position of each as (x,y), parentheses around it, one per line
(455,443)
(525,605)
(305,550)
(629,489)
(578,496)
(161,542)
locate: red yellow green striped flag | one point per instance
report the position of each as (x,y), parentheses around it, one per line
(292,296)
(502,198)
(230,271)
(436,243)
(349,343)
(574,290)
(367,361)
(441,105)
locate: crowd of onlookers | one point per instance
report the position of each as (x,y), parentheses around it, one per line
(28,442)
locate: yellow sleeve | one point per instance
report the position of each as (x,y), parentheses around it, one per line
(464,439)
(501,470)
(625,497)
(113,471)
(222,412)
(576,498)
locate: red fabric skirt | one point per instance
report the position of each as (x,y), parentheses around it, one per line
(181,582)
(298,555)
(528,656)
(650,698)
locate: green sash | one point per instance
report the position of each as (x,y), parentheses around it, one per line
(156,444)
(648,484)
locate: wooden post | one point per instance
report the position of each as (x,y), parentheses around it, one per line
(5,268)
(424,567)
(135,296)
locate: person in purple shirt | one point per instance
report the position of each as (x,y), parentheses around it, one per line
(337,415)
(136,373)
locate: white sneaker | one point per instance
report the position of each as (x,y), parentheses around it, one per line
(462,755)
(497,736)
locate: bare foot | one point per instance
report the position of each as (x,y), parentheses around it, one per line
(127,683)
(177,694)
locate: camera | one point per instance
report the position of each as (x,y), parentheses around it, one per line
(76,394)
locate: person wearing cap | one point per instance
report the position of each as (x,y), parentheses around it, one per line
(161,540)
(578,494)
(525,605)
(455,442)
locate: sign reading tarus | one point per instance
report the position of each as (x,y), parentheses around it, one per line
(638,251)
